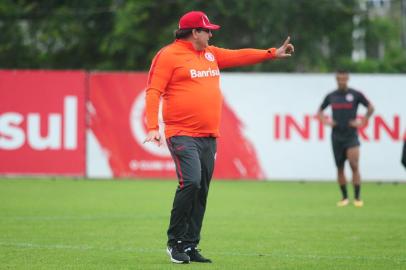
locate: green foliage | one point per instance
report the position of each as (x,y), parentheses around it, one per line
(125,35)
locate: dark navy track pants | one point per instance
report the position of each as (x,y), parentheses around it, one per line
(194,160)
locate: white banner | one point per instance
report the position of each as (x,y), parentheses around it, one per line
(278,112)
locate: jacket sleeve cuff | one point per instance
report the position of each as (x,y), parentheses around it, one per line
(272,52)
(153,128)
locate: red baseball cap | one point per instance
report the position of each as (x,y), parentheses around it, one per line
(196,19)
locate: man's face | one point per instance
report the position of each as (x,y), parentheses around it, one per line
(202,38)
(342,80)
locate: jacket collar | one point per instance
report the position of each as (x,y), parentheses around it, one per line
(186,44)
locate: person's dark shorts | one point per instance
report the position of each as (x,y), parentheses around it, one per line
(340,147)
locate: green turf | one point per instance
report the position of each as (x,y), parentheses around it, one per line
(77,224)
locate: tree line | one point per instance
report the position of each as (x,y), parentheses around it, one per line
(125,35)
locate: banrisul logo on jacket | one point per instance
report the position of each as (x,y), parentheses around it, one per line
(204,73)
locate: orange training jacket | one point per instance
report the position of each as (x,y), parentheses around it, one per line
(189,83)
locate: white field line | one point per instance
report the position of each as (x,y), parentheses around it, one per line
(23,245)
(96,217)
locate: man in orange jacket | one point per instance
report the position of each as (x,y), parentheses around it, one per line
(185,74)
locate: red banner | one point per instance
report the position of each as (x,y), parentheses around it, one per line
(42,122)
(117,119)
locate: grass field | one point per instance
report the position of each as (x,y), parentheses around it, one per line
(86,224)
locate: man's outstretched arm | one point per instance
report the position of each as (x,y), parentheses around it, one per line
(234,58)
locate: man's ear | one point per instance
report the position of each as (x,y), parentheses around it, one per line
(194,33)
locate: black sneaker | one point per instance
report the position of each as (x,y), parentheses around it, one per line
(195,255)
(177,253)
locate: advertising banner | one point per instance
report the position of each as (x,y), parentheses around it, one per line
(269,128)
(279,116)
(117,131)
(42,122)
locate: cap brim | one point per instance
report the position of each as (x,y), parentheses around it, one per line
(212,26)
